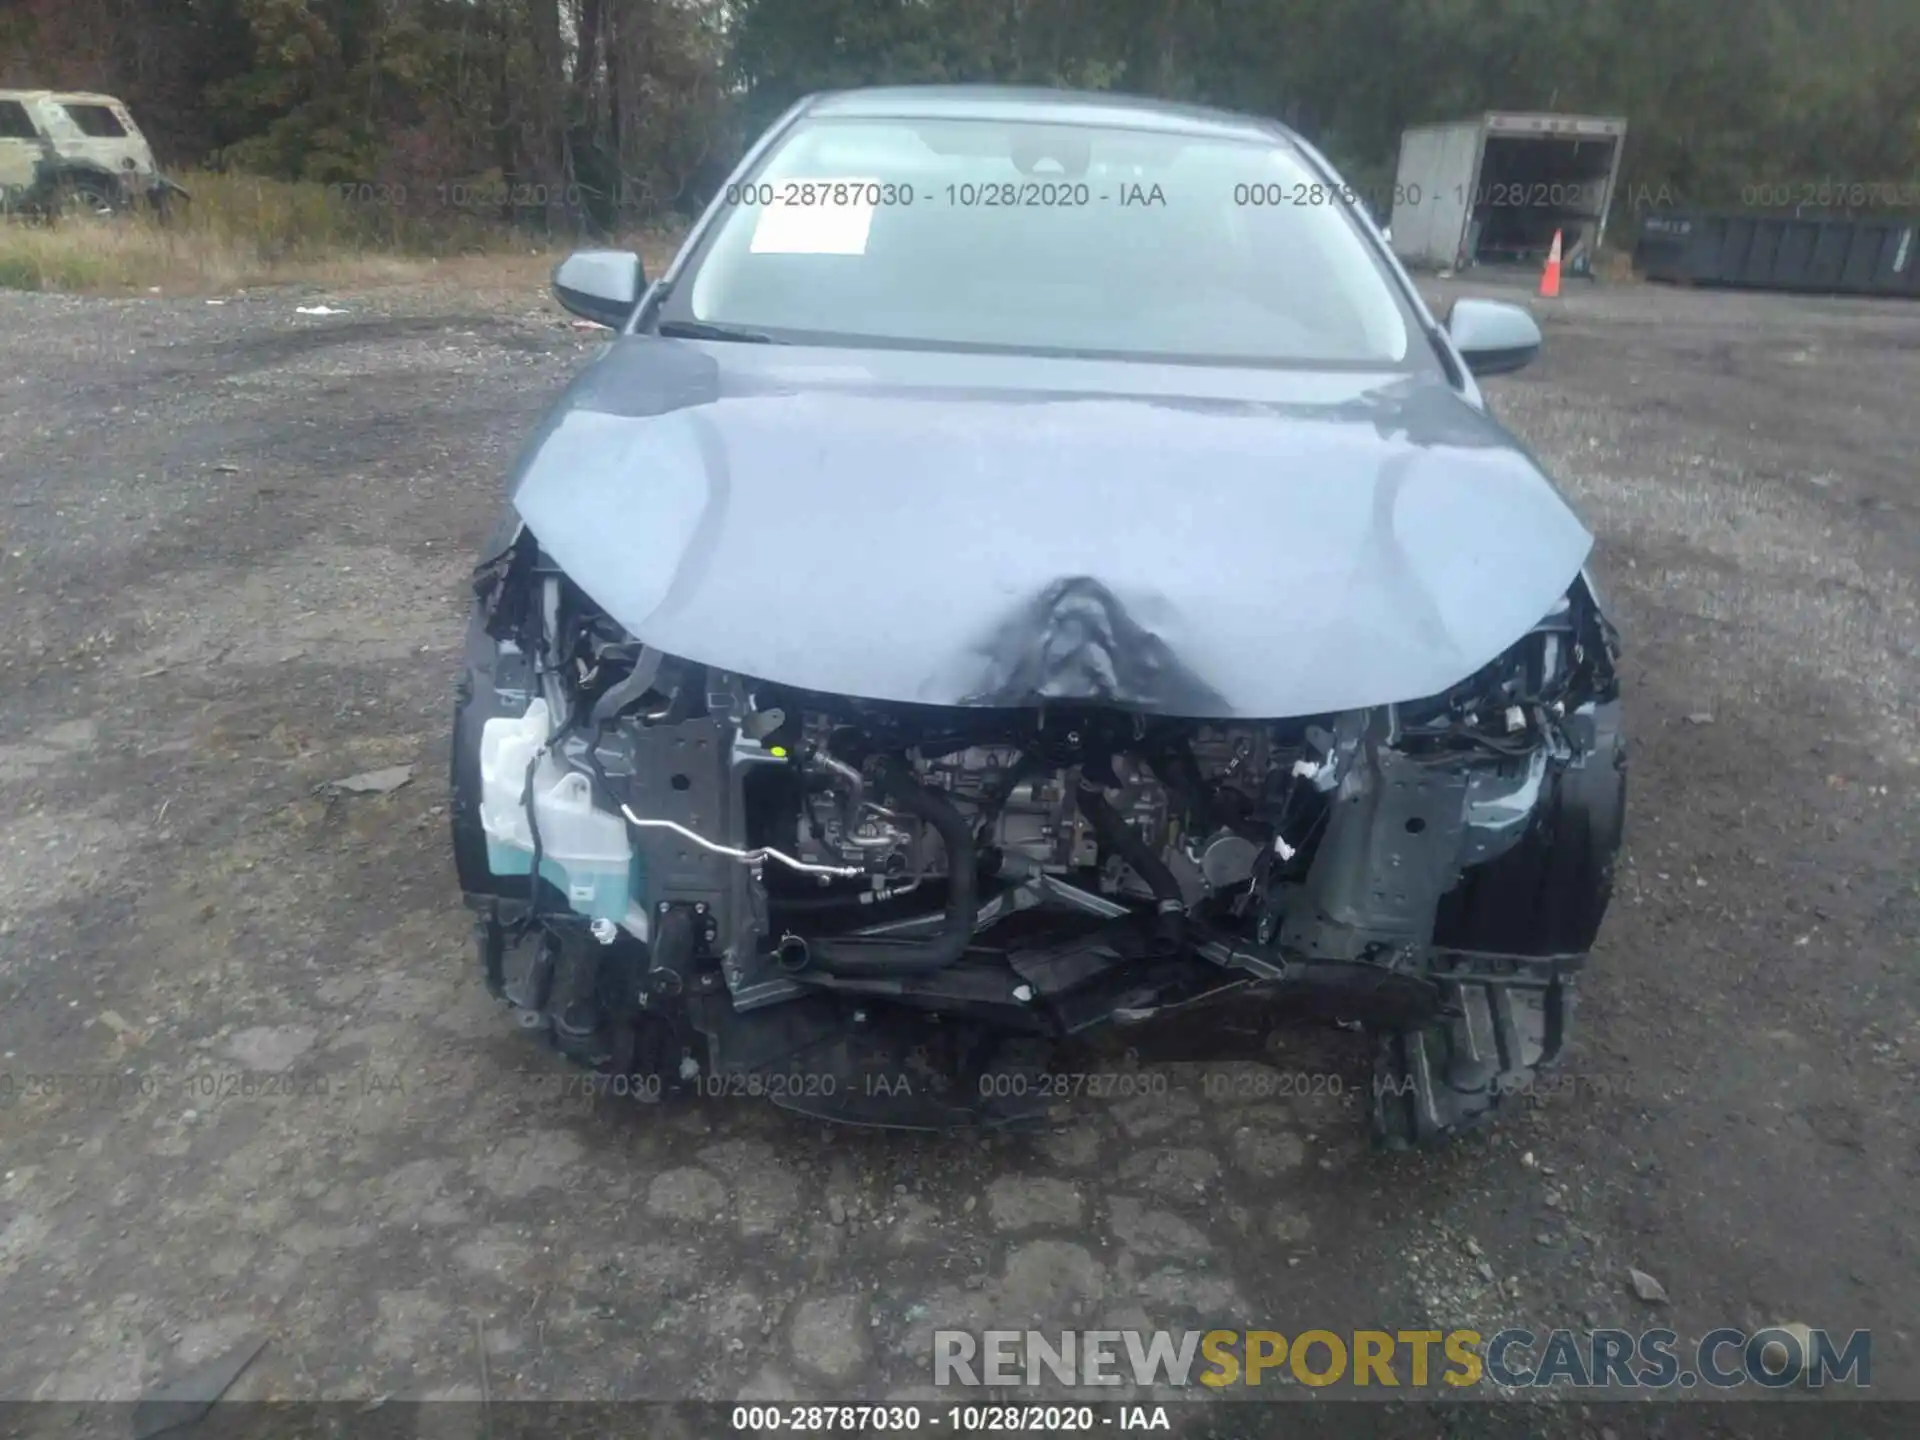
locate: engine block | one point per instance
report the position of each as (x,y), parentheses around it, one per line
(1032,810)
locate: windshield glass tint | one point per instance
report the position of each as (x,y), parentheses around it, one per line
(1041,237)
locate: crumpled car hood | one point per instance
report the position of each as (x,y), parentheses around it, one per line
(954,529)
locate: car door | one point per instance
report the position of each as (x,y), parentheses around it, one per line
(21,148)
(76,149)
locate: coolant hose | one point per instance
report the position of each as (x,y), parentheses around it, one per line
(1169,925)
(842,899)
(852,955)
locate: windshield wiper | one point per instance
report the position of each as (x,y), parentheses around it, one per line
(707,330)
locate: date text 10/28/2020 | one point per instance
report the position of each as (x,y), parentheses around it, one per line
(802,1419)
(1048,194)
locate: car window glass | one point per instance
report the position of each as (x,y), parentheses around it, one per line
(96,121)
(15,123)
(1050,237)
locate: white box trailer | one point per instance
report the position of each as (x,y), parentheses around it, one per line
(1495,187)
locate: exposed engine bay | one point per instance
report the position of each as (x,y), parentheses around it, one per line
(870,910)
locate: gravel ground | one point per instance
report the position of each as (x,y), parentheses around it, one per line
(234,542)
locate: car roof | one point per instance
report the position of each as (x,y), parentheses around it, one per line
(84,97)
(1096,109)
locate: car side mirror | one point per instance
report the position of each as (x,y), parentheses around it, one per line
(600,285)
(1492,336)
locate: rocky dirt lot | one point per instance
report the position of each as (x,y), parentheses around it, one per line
(257,1089)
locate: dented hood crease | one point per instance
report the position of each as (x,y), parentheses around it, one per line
(1004,530)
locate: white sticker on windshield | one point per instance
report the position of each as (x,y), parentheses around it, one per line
(821,216)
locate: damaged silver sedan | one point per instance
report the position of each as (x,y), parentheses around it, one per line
(1032,574)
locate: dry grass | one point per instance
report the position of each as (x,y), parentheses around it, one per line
(242,231)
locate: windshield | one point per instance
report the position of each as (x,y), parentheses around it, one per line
(1062,238)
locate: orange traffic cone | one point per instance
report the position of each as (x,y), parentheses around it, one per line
(1550,277)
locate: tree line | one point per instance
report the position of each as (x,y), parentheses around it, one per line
(604,113)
